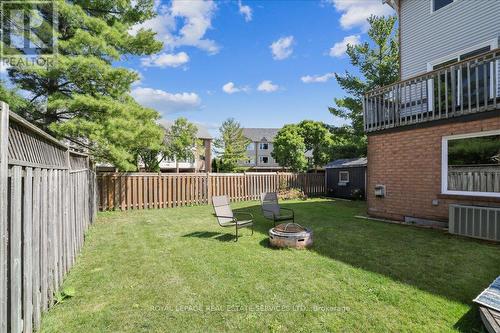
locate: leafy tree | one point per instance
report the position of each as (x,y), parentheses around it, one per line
(318,139)
(289,148)
(298,139)
(231,145)
(79,94)
(378,63)
(181,141)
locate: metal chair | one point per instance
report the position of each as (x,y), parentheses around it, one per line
(226,217)
(272,210)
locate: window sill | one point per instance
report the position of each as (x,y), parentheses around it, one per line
(465,197)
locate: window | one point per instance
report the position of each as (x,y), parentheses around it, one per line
(251,146)
(438,4)
(264,159)
(264,146)
(471,164)
(466,78)
(343,176)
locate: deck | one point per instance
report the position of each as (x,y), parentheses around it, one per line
(462,88)
(491,319)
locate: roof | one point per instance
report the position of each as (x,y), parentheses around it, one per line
(202,133)
(257,134)
(347,163)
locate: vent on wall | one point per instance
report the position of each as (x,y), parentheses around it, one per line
(474,221)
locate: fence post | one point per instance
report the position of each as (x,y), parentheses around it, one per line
(4,179)
(209,188)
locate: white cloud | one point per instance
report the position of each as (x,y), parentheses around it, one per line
(196,18)
(246,11)
(267,86)
(282,48)
(338,49)
(356,12)
(231,88)
(166,102)
(166,60)
(317,78)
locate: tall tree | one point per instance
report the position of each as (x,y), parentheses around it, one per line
(79,94)
(181,141)
(289,148)
(318,140)
(378,63)
(231,145)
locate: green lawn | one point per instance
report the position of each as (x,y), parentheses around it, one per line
(176,270)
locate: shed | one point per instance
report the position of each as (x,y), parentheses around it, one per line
(346,178)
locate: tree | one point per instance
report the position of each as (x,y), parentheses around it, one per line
(181,141)
(231,145)
(289,148)
(318,139)
(78,94)
(378,64)
(293,141)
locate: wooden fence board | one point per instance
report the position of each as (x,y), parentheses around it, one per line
(43,217)
(148,191)
(15,241)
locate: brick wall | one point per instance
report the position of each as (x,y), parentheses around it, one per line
(408,163)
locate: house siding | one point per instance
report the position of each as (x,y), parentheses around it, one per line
(426,36)
(408,163)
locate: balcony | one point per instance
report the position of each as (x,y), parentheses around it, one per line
(461,88)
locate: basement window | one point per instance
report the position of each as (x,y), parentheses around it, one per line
(471,164)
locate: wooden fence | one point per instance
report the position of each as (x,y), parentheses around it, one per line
(477,179)
(47,201)
(124,191)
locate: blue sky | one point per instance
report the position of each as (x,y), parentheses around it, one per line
(265,63)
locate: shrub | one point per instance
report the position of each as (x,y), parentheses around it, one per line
(291,194)
(358,194)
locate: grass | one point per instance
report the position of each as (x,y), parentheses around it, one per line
(176,270)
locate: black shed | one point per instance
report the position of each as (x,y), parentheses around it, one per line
(346,178)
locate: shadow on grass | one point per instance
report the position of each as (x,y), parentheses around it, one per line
(222,237)
(431,260)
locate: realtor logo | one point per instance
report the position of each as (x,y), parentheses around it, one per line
(28,28)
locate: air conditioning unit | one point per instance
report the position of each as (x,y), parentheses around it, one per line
(475,221)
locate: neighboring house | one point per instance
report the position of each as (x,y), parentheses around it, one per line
(201,162)
(346,178)
(434,137)
(259,150)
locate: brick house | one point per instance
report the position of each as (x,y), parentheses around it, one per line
(432,136)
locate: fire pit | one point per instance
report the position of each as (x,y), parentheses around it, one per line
(290,235)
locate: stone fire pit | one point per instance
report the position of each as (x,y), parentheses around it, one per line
(290,235)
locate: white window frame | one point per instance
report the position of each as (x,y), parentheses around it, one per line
(444,164)
(435,10)
(262,144)
(492,43)
(340,176)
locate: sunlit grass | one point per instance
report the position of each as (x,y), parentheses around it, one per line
(176,270)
